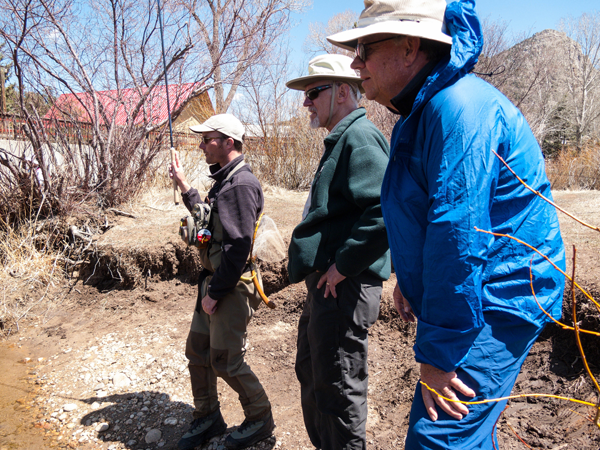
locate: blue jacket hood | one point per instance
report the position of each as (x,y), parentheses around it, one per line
(467,42)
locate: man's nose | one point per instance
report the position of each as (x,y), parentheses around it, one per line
(357,63)
(307,101)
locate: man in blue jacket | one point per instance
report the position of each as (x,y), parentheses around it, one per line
(445,186)
(340,249)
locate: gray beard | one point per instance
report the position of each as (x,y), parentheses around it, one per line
(314,123)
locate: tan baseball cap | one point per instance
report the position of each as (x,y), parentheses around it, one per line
(327,67)
(227,124)
(420,18)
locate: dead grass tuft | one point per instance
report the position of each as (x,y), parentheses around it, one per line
(29,269)
(575,169)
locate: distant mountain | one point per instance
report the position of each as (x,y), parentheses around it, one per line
(544,77)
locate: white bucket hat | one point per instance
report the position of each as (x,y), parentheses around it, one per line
(420,18)
(227,124)
(327,67)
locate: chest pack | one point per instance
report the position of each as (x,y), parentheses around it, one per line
(195,229)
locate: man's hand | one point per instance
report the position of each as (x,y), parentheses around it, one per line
(330,279)
(402,305)
(176,174)
(444,383)
(209,305)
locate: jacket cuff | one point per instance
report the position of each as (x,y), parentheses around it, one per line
(443,348)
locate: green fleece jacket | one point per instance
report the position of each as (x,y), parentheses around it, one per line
(344,224)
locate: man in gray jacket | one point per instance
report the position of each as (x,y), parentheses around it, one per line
(226,301)
(340,249)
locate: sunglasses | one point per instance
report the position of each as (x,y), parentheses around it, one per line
(208,139)
(361,49)
(313,93)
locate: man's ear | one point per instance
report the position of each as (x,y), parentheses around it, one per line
(411,49)
(343,93)
(230,143)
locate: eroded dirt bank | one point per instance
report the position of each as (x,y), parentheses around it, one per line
(106,367)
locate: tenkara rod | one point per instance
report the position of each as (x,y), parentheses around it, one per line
(162,44)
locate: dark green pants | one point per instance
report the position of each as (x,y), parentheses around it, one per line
(216,347)
(331,363)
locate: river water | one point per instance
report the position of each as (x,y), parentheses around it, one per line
(17,415)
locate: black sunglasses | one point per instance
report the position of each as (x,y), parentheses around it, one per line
(361,49)
(313,93)
(208,139)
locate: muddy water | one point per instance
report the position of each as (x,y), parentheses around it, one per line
(17,416)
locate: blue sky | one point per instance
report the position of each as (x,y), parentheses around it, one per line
(522,16)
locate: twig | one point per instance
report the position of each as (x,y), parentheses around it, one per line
(541,196)
(546,258)
(510,397)
(562,325)
(518,437)
(122,213)
(578,338)
(496,425)
(156,209)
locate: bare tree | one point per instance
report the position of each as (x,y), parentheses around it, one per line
(281,147)
(236,34)
(80,48)
(584,82)
(316,41)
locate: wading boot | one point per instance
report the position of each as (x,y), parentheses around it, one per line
(201,430)
(250,432)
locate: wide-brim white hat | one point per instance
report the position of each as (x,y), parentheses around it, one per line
(420,18)
(327,67)
(226,124)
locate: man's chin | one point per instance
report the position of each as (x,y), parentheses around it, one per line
(314,123)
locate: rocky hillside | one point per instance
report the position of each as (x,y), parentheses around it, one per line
(547,77)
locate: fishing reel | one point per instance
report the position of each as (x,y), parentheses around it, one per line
(194,229)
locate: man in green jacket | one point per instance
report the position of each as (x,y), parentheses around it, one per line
(341,251)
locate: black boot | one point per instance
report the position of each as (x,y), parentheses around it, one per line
(251,432)
(201,430)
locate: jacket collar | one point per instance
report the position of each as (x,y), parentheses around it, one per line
(343,124)
(403,102)
(219,173)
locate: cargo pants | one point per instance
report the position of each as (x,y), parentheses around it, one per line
(215,347)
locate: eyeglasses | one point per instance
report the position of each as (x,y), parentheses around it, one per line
(313,93)
(361,49)
(208,139)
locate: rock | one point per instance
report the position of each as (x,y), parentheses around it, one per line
(102,427)
(152,436)
(121,380)
(95,405)
(131,443)
(69,407)
(170,421)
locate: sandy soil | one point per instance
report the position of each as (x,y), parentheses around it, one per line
(103,368)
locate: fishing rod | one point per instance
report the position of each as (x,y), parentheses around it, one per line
(162,44)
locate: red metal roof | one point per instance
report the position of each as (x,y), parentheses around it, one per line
(123,102)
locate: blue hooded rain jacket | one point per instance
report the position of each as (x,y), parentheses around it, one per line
(443,181)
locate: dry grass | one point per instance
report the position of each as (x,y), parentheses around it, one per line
(29,269)
(575,169)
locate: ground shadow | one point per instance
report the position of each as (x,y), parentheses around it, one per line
(135,416)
